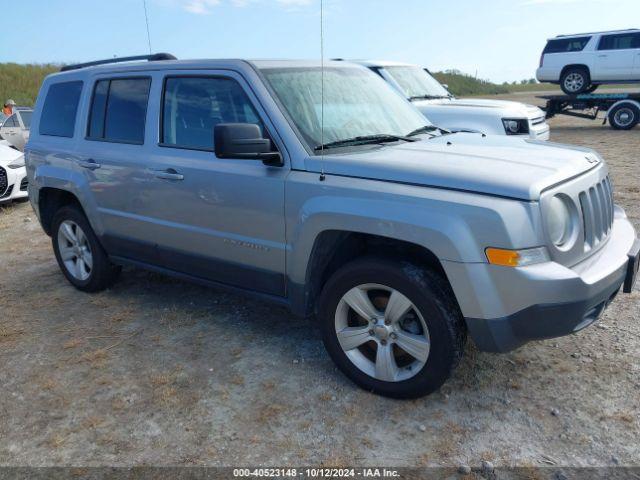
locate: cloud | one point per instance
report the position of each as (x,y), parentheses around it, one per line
(205,7)
(200,7)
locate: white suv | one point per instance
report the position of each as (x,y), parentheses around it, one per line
(493,117)
(581,62)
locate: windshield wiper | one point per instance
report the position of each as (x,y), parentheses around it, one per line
(364,140)
(427,97)
(428,129)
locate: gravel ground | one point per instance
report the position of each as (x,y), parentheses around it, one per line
(160,372)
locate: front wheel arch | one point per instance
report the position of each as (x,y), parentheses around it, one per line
(423,288)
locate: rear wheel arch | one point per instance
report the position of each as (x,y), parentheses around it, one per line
(575,73)
(575,66)
(50,200)
(334,248)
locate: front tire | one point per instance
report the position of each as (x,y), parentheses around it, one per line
(80,256)
(575,80)
(392,327)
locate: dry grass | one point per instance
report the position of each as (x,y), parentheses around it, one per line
(93,422)
(118,404)
(269,414)
(72,343)
(10,333)
(57,440)
(49,384)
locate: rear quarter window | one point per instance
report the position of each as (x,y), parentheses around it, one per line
(564,45)
(58,116)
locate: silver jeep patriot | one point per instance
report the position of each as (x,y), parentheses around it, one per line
(323,190)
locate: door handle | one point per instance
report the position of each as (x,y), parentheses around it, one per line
(168,174)
(90,163)
(603,56)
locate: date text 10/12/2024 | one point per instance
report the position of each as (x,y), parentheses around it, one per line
(316,472)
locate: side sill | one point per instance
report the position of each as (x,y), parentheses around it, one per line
(282,301)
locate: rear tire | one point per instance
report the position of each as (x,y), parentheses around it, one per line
(80,256)
(575,80)
(624,116)
(417,335)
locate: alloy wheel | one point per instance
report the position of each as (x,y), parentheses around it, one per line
(75,250)
(574,82)
(382,332)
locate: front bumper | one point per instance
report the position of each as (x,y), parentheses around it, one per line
(16,184)
(539,129)
(506,307)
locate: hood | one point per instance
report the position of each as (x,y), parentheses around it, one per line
(495,165)
(8,154)
(503,108)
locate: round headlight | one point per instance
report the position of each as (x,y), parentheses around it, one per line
(560,220)
(512,126)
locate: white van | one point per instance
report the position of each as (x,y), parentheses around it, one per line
(581,62)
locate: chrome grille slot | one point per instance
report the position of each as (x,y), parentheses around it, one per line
(596,204)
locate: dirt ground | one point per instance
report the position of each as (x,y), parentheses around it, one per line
(160,372)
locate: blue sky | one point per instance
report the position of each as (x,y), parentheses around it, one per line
(499,39)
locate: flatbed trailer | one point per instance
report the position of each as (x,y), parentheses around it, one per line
(622,110)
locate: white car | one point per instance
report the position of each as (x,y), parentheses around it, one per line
(581,62)
(13,174)
(15,129)
(493,117)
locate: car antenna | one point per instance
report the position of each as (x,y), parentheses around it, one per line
(146,19)
(322,176)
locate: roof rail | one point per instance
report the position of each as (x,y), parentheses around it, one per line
(594,33)
(152,58)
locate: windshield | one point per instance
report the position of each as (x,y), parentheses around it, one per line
(416,82)
(357,103)
(26,118)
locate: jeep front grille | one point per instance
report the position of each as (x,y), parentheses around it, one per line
(597,213)
(3,182)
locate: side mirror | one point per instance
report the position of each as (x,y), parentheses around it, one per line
(243,141)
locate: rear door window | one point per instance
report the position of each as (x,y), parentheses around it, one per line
(566,45)
(58,117)
(119,109)
(619,42)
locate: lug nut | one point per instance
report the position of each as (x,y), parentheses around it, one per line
(371,332)
(383,342)
(393,336)
(387,322)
